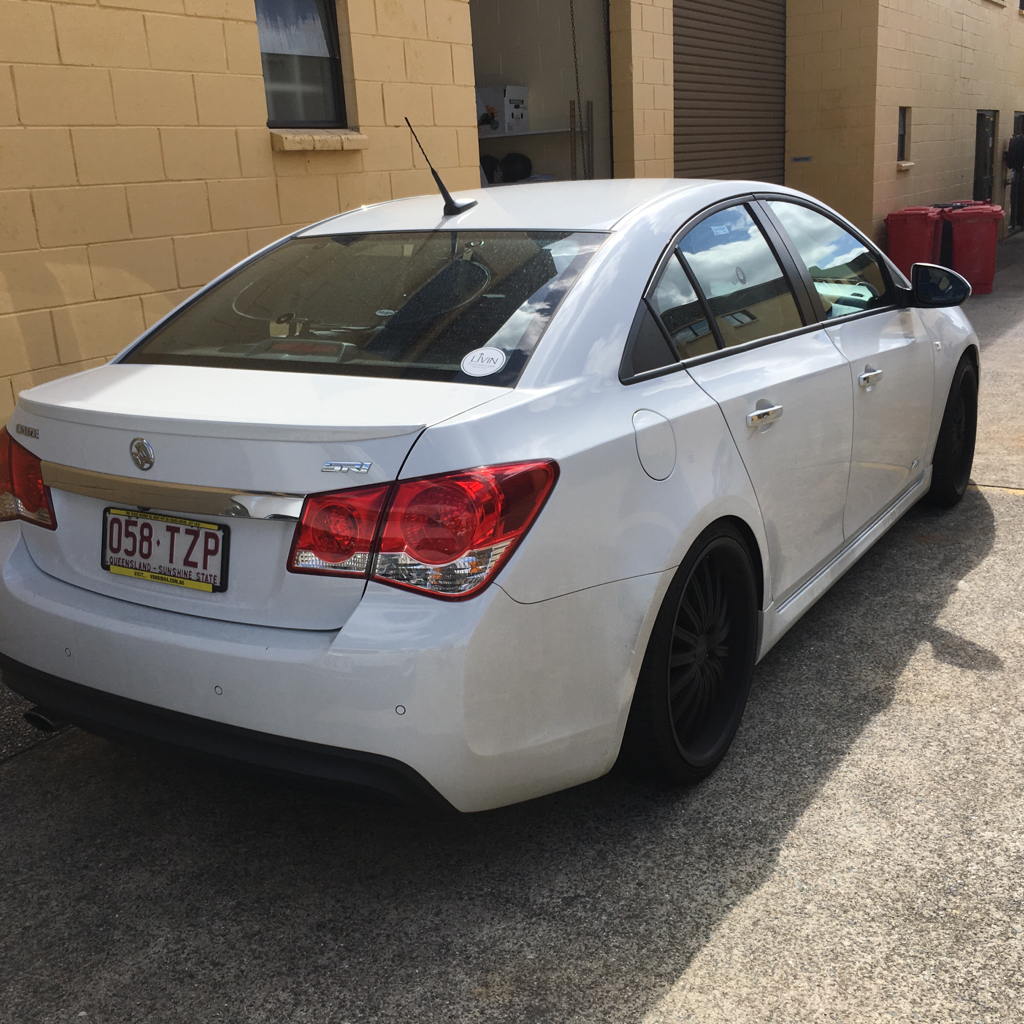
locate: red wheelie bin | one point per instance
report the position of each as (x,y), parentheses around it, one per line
(915,236)
(975,233)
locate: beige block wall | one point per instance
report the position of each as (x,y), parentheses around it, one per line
(946,60)
(135,162)
(831,65)
(643,123)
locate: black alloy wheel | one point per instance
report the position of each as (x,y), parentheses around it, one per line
(696,674)
(954,448)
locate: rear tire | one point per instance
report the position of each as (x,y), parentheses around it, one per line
(954,449)
(696,674)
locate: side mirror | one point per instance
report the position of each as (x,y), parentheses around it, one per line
(933,286)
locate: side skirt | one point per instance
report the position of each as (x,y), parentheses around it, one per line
(777,621)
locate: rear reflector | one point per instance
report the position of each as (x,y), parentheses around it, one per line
(23,495)
(445,535)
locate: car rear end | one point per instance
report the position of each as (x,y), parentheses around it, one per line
(211,542)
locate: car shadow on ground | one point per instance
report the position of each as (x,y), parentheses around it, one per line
(137,888)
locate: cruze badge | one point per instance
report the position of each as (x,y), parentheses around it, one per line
(346,467)
(142,453)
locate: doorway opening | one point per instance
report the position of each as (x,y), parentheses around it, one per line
(985,155)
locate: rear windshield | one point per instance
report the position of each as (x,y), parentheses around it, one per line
(443,305)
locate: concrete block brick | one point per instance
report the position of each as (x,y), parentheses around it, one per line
(109,155)
(17,222)
(201,258)
(8,106)
(26,341)
(469,147)
(63,95)
(28,36)
(308,198)
(186,44)
(362,17)
(369,104)
(442,144)
(246,203)
(102,37)
(390,149)
(258,238)
(462,178)
(362,189)
(36,158)
(427,61)
(75,216)
(333,162)
(44,278)
(156,306)
(242,43)
(6,399)
(158,6)
(132,268)
(254,152)
(414,183)
(463,71)
(448,20)
(24,381)
(168,208)
(235,10)
(154,97)
(231,100)
(454,105)
(378,59)
(200,153)
(97,330)
(403,100)
(406,19)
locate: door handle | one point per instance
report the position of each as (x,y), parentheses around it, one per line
(759,417)
(869,376)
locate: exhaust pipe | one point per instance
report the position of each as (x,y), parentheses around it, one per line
(44,720)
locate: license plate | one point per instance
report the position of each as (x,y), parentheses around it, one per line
(165,549)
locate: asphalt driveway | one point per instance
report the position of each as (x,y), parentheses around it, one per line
(858,857)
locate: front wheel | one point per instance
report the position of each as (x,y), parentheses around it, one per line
(695,677)
(954,449)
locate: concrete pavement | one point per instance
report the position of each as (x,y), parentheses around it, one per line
(858,857)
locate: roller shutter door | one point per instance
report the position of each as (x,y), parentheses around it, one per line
(730,89)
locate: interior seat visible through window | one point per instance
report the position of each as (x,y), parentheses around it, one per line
(847,275)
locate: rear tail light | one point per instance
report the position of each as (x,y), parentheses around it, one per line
(336,532)
(444,535)
(23,495)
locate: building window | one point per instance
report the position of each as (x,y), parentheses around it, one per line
(301,64)
(903,133)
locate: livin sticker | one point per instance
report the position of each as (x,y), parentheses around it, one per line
(482,362)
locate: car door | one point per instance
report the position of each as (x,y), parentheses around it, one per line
(782,385)
(889,351)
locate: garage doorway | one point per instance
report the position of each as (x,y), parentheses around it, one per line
(730,89)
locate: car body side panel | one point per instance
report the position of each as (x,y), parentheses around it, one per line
(606,519)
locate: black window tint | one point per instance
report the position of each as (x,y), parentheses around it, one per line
(301,67)
(746,288)
(680,310)
(846,274)
(647,348)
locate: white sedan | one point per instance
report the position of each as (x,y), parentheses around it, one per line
(468,507)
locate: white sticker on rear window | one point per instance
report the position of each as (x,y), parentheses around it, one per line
(482,362)
(719,229)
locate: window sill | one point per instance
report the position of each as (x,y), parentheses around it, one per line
(297,140)
(904,165)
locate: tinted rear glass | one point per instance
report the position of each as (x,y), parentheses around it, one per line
(415,305)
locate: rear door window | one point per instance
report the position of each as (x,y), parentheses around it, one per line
(748,292)
(846,274)
(676,303)
(444,305)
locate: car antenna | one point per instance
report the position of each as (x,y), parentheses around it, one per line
(450,206)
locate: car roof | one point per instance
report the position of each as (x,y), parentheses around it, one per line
(536,206)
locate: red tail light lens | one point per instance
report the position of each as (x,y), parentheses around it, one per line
(449,535)
(336,531)
(23,495)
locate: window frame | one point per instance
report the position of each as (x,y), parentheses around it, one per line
(333,36)
(810,314)
(817,305)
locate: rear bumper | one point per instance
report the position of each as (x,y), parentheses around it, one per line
(131,721)
(487,702)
